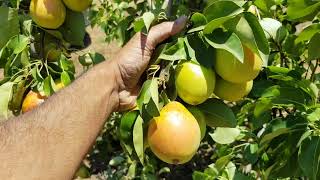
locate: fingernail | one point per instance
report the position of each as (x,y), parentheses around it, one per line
(181,20)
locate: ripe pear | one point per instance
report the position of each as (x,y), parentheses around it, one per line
(194,83)
(174,136)
(231,69)
(31,101)
(48,13)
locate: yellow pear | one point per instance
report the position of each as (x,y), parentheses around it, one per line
(77,5)
(194,83)
(231,69)
(232,91)
(48,13)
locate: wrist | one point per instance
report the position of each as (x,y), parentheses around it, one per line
(114,79)
(104,78)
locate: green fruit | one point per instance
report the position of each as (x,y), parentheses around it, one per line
(200,117)
(194,83)
(232,91)
(48,13)
(174,136)
(52,52)
(82,172)
(77,5)
(231,69)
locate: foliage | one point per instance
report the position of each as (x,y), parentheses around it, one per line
(277,127)
(273,133)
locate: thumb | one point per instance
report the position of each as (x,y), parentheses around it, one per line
(162,31)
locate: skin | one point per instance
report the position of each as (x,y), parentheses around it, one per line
(48,13)
(174,136)
(51,141)
(194,83)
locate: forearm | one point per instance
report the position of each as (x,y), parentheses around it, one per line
(51,141)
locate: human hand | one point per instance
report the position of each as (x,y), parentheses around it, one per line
(134,58)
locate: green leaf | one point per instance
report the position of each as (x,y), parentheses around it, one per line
(122,30)
(35,72)
(88,59)
(174,51)
(279,127)
(270,27)
(73,29)
(198,19)
(126,125)
(116,161)
(198,50)
(264,5)
(285,95)
(138,138)
(292,46)
(309,157)
(221,9)
(18,43)
(263,105)
(17,95)
(240,176)
(314,116)
(9,21)
(138,25)
(148,18)
(66,65)
(290,169)
(11,52)
(218,114)
(227,41)
(252,35)
(225,135)
(132,170)
(48,86)
(222,162)
(198,22)
(148,98)
(314,47)
(251,153)
(65,78)
(302,8)
(230,170)
(308,33)
(5,97)
(197,175)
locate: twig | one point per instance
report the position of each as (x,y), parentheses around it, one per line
(169,8)
(306,75)
(167,5)
(314,70)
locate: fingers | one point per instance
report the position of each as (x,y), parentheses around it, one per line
(162,31)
